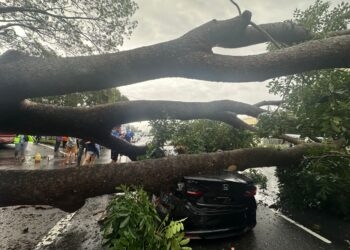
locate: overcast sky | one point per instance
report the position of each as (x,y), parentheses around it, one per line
(162,20)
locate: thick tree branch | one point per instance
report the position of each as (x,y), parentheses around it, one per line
(231,119)
(104,117)
(68,187)
(187,56)
(290,139)
(313,55)
(269,103)
(51,76)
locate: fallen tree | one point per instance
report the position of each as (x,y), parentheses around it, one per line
(67,188)
(189,56)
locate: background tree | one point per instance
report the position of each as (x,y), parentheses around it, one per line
(315,103)
(200,136)
(72,27)
(57,28)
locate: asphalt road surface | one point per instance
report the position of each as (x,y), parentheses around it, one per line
(44,227)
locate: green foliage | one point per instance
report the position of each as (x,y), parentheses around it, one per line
(69,27)
(320,19)
(322,182)
(318,102)
(200,135)
(257,177)
(277,123)
(175,236)
(162,131)
(89,98)
(133,223)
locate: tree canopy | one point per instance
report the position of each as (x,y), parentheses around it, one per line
(56,28)
(315,103)
(198,136)
(65,27)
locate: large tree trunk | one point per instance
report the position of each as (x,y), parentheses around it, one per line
(189,56)
(67,188)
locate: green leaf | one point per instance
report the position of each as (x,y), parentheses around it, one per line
(184,241)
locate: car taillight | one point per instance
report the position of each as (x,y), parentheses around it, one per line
(251,192)
(195,193)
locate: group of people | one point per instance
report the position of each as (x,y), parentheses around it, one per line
(85,152)
(77,150)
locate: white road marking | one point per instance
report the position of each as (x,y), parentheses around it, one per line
(304,228)
(60,227)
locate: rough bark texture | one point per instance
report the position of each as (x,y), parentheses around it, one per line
(54,120)
(189,56)
(67,188)
(267,103)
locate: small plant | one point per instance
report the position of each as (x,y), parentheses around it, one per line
(174,235)
(133,223)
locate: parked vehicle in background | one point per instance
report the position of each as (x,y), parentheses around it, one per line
(6,138)
(215,206)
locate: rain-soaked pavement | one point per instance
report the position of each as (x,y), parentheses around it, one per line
(44,227)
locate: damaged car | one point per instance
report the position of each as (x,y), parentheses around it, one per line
(215,206)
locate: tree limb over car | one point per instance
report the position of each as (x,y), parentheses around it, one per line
(67,188)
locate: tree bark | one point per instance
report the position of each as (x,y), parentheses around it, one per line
(68,187)
(269,103)
(95,123)
(189,56)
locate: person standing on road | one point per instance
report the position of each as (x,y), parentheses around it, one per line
(24,144)
(81,147)
(116,132)
(71,148)
(57,144)
(92,151)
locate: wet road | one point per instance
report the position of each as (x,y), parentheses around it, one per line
(43,227)
(272,232)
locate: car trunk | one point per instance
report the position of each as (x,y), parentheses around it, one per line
(216,202)
(219,191)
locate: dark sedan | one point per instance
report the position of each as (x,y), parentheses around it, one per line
(215,206)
